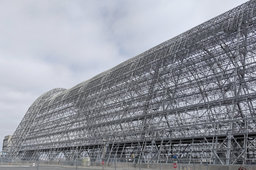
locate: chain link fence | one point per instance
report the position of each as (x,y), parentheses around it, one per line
(85,164)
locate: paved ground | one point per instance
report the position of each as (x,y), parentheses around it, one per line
(181,167)
(24,167)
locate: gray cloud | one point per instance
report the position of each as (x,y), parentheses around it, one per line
(46,44)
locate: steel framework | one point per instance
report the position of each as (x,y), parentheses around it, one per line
(193,96)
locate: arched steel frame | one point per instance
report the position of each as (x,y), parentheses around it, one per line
(193,96)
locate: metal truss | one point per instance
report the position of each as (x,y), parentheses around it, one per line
(193,96)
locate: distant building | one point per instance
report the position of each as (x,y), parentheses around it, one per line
(6,143)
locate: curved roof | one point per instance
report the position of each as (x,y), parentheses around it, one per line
(48,96)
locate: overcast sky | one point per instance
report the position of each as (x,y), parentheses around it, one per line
(45,44)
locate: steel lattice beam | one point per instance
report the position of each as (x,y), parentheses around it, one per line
(193,96)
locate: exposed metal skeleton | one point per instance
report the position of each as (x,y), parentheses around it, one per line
(193,96)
